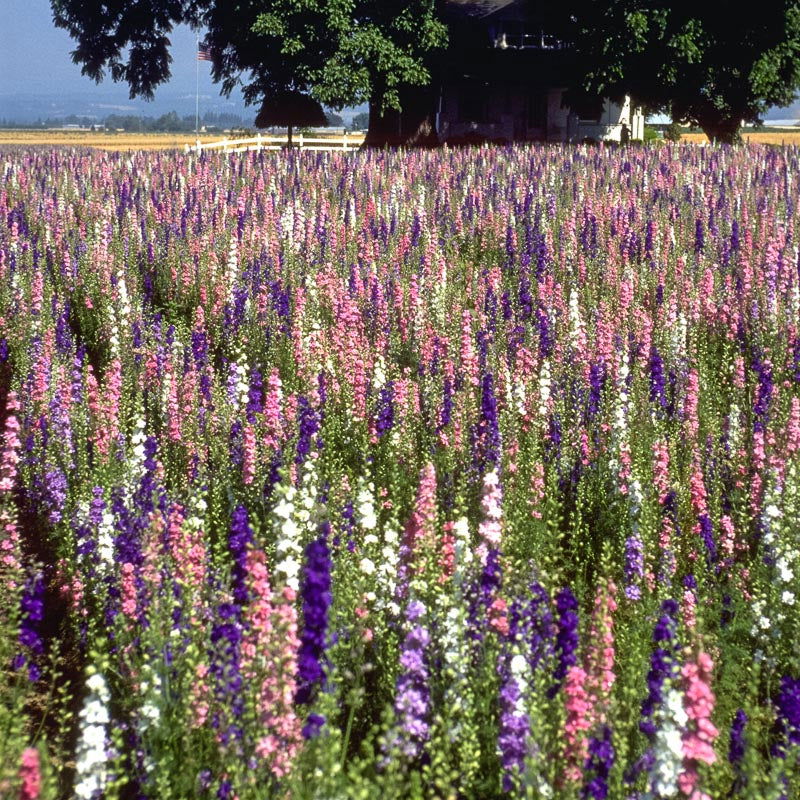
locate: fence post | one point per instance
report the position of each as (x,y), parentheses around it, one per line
(344,140)
(300,141)
(259,141)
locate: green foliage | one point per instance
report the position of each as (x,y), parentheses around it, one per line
(650,134)
(349,53)
(672,133)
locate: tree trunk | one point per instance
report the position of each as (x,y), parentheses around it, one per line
(414,126)
(288,135)
(722,130)
(384,128)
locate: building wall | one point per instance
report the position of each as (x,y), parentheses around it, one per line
(559,120)
(609,126)
(638,124)
(474,111)
(511,113)
(522,113)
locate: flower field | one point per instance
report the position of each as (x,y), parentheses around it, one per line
(458,474)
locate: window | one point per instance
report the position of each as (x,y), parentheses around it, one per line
(516,35)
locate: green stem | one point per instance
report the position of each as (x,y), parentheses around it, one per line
(347,731)
(46,709)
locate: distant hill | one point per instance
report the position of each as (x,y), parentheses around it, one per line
(98,103)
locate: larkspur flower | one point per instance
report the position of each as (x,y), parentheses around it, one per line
(488,434)
(599,763)
(308,426)
(634,567)
(30,634)
(412,694)
(737,746)
(316,594)
(514,722)
(787,705)
(662,664)
(241,535)
(699,737)
(91,762)
(225,660)
(567,633)
(30,774)
(384,418)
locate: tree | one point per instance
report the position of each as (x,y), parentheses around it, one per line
(334,120)
(170,123)
(699,62)
(360,121)
(672,133)
(341,53)
(370,51)
(288,109)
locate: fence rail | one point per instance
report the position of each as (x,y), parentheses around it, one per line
(346,142)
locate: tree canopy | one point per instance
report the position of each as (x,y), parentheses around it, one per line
(291,108)
(340,52)
(698,61)
(354,51)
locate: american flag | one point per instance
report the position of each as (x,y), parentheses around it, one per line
(204,52)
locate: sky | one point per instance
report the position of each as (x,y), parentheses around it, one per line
(35,60)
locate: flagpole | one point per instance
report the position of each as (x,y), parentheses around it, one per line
(196,88)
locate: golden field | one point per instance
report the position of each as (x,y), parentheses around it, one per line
(758,137)
(102,140)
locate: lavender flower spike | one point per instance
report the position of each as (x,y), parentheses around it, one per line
(412,701)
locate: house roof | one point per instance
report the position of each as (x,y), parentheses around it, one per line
(478,8)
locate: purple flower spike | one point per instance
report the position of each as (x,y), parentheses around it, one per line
(412,699)
(30,640)
(567,636)
(599,762)
(316,594)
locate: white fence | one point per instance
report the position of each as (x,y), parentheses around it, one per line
(345,142)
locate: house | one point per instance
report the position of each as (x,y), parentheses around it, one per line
(505,81)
